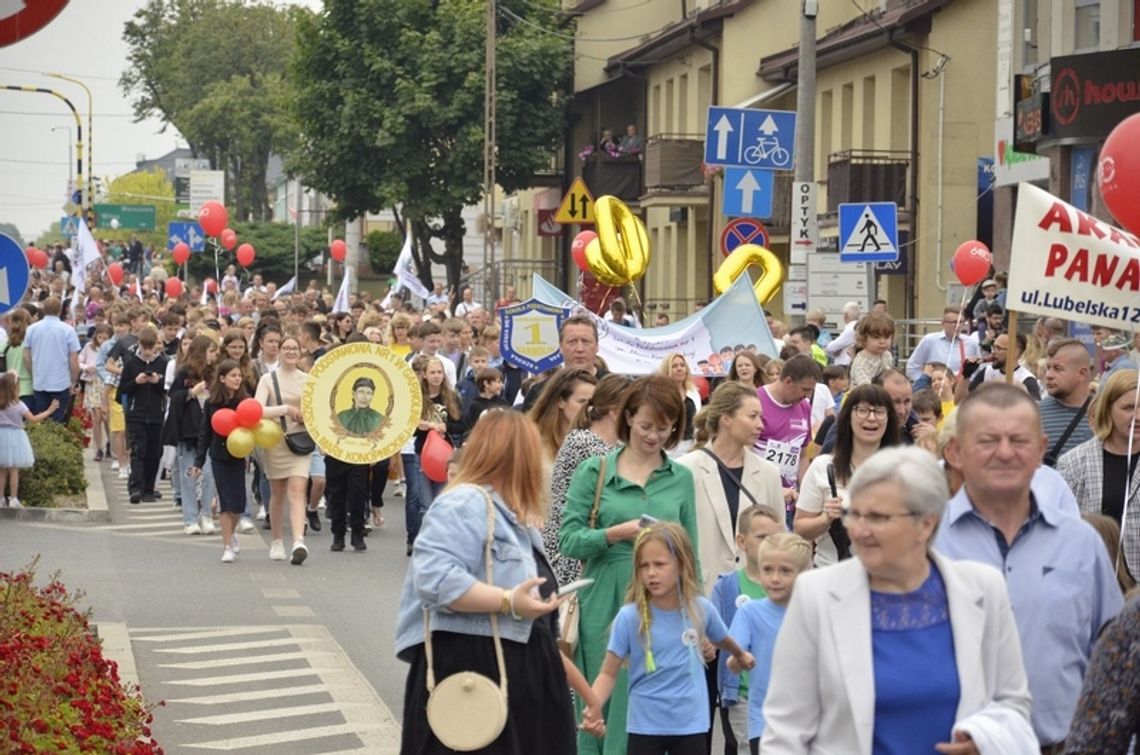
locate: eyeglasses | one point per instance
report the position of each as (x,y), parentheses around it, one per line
(874,520)
(289,350)
(863,412)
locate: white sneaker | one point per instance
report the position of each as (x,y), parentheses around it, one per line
(245,525)
(321,504)
(125,473)
(235,546)
(277,550)
(206,525)
(300,553)
(14,503)
(114,464)
(261,514)
(398,489)
(192,529)
(228,556)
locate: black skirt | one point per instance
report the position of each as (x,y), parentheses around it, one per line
(540,714)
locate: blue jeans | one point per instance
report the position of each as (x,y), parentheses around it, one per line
(196,494)
(42,400)
(414,505)
(429,489)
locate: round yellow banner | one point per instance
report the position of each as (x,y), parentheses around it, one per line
(361,403)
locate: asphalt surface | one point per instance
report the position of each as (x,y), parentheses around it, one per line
(257,656)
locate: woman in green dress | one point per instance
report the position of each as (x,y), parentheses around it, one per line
(638,480)
(361,418)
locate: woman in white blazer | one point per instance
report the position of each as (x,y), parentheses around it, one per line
(899,649)
(726,431)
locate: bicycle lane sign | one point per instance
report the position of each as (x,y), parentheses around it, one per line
(748,138)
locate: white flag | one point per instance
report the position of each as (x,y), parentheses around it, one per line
(88,253)
(341,303)
(406,272)
(287,288)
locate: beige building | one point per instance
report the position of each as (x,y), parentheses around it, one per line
(743,53)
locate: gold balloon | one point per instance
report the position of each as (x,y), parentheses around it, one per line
(621,253)
(737,264)
(240,442)
(267,433)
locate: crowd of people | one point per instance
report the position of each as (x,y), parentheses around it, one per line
(943,518)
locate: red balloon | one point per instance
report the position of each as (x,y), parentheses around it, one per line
(173,288)
(337,250)
(228,237)
(224,422)
(31,253)
(181,253)
(578,249)
(433,461)
(702,386)
(245,255)
(213,218)
(38,257)
(211,286)
(249,412)
(971,262)
(115,273)
(1118,173)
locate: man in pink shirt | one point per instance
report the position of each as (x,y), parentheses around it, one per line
(786,410)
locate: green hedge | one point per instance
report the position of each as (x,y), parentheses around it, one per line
(59,464)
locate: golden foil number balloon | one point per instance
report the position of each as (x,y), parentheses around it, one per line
(737,264)
(621,253)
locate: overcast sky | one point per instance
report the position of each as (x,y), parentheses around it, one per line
(85,41)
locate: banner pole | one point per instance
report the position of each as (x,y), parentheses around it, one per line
(1011,347)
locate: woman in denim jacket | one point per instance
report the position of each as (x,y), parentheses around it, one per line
(502,458)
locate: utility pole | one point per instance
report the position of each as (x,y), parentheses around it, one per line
(489,155)
(805,141)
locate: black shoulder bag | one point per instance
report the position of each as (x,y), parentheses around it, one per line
(300,443)
(1055,452)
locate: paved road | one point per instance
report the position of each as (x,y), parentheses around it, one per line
(253,657)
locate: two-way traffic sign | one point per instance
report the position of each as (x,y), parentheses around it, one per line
(748,192)
(14,273)
(868,232)
(186,232)
(577,206)
(748,138)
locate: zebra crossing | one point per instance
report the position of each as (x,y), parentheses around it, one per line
(285,688)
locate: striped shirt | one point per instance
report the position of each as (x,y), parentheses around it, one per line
(1055,419)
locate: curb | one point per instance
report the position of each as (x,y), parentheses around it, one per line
(96,510)
(117,647)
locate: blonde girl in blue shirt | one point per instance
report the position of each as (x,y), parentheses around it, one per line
(659,631)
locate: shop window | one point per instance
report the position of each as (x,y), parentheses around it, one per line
(1087,25)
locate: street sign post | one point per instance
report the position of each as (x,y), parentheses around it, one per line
(742,231)
(186,232)
(127,217)
(747,138)
(868,232)
(577,206)
(748,191)
(14,273)
(206,186)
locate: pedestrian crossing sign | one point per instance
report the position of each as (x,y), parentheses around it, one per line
(869,232)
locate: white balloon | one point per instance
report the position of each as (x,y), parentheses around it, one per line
(114,222)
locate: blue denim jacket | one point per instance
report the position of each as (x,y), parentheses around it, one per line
(448,560)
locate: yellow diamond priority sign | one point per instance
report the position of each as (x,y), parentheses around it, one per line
(577,206)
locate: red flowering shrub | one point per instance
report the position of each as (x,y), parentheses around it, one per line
(57,691)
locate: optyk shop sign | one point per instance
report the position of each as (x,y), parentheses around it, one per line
(1092,93)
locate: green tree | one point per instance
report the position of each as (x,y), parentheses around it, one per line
(383,250)
(143,188)
(10,229)
(389,105)
(273,244)
(215,70)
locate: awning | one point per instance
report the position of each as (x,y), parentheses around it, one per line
(766,96)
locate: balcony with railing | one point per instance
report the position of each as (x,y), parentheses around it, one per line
(617,175)
(867,175)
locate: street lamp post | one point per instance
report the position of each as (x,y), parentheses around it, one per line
(90,152)
(70,165)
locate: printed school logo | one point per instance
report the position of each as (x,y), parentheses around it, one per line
(1066,96)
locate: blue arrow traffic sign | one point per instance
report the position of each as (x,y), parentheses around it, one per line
(749,138)
(748,191)
(188,232)
(14,273)
(868,232)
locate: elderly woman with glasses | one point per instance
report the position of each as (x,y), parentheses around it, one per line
(899,649)
(866,423)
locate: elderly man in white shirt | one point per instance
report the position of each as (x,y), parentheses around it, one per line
(838,349)
(943,346)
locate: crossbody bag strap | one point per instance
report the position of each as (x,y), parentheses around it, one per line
(732,475)
(494,616)
(598,493)
(1056,450)
(277,393)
